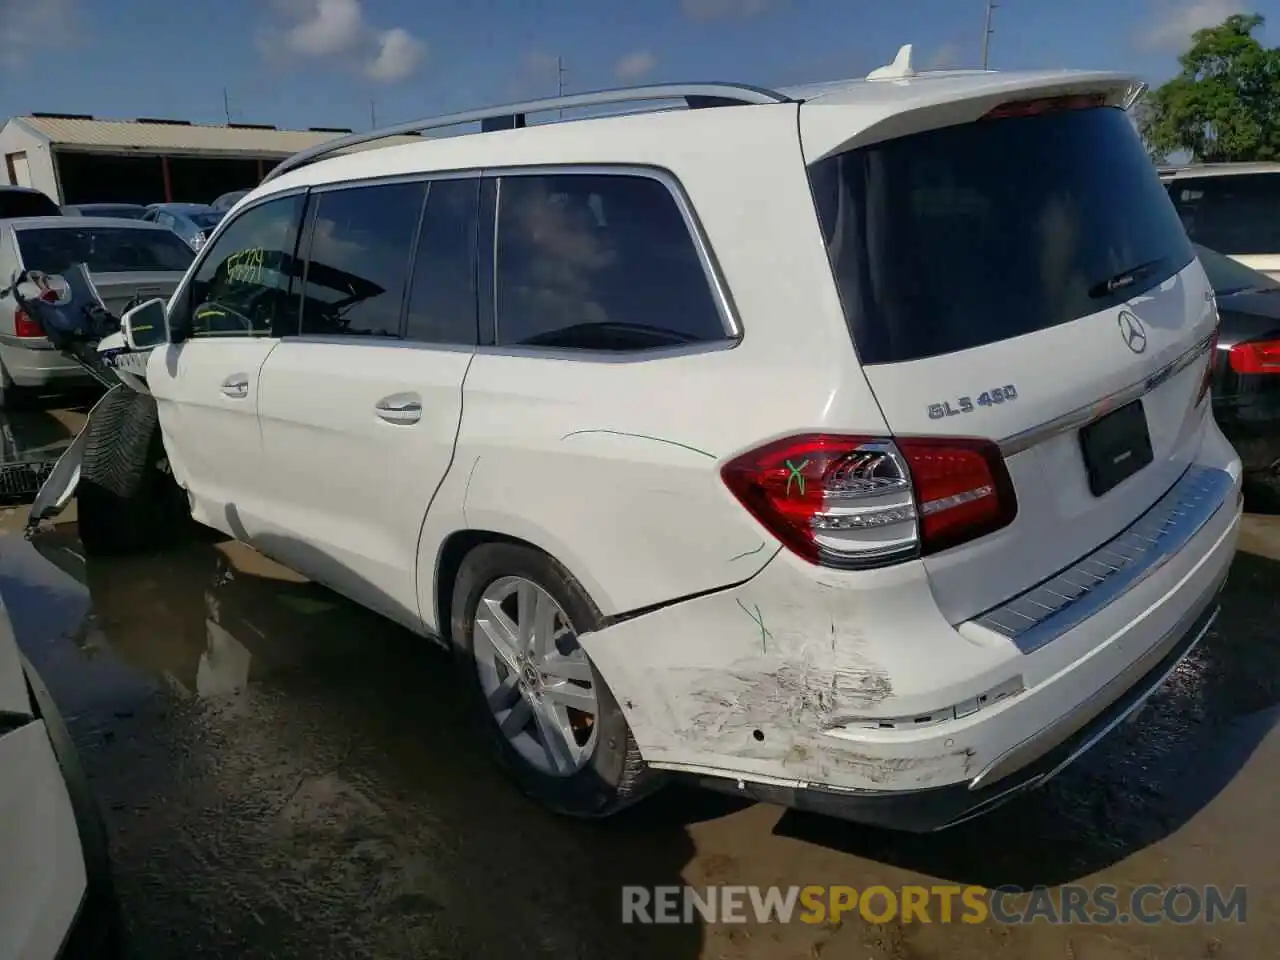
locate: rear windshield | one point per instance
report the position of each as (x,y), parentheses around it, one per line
(103,249)
(1236,214)
(206,220)
(26,203)
(960,237)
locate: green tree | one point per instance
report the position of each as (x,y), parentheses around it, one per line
(1224,104)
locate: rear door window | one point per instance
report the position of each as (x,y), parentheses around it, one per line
(960,237)
(1235,214)
(357,270)
(598,262)
(442,297)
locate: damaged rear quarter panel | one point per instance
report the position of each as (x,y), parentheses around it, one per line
(748,680)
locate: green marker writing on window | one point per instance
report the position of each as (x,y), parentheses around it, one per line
(795,475)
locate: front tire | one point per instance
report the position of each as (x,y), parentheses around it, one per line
(548,717)
(126,502)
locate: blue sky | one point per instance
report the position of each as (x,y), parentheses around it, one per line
(300,63)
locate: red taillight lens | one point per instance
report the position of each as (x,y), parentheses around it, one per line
(1034,108)
(1257,356)
(24,326)
(962,490)
(854,502)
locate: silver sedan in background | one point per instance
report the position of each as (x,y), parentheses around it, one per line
(126,258)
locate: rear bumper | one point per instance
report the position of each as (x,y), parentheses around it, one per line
(1251,421)
(39,365)
(849,692)
(1053,749)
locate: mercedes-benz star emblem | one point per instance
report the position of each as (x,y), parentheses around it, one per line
(1133,332)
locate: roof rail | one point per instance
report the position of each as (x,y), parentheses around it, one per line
(695,95)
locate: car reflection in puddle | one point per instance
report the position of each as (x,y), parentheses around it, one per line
(206,620)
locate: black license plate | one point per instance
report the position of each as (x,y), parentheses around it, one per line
(1115,447)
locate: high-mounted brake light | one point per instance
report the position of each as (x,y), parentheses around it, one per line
(1255,357)
(1034,108)
(24,326)
(856,502)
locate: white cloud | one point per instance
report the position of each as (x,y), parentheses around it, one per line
(26,26)
(723,9)
(635,65)
(1172,22)
(338,29)
(399,54)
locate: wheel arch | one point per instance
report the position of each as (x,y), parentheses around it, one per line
(453,551)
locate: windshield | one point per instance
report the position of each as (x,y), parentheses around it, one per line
(27,203)
(109,210)
(103,249)
(964,236)
(1228,276)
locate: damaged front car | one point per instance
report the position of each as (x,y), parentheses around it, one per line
(99,462)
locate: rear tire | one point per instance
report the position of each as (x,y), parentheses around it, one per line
(610,773)
(126,501)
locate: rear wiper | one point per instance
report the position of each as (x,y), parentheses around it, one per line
(1124,279)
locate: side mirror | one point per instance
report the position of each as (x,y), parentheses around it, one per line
(145,326)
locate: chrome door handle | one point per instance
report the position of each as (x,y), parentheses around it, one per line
(236,386)
(400,408)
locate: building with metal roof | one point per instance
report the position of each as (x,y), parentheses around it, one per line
(75,158)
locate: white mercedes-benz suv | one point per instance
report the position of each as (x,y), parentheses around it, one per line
(844,446)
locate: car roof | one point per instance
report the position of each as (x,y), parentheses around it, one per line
(12,188)
(71,223)
(104,203)
(834,115)
(1218,169)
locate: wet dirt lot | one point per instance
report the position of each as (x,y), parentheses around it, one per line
(286,775)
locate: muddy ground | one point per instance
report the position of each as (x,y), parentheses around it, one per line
(286,775)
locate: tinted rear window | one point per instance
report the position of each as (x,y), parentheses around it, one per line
(26,203)
(968,235)
(103,249)
(1231,214)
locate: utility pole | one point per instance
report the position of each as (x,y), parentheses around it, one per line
(986,32)
(226,106)
(560,80)
(373,115)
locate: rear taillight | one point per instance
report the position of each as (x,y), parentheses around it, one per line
(1034,108)
(1256,356)
(855,502)
(24,326)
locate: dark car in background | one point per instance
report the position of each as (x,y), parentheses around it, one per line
(193,222)
(26,202)
(229,200)
(121,211)
(1246,372)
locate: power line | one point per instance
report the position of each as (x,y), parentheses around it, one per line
(986,32)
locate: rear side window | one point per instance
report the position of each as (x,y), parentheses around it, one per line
(964,236)
(103,249)
(26,203)
(358,266)
(1235,214)
(598,262)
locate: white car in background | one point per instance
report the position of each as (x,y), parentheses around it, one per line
(1233,208)
(846,446)
(56,894)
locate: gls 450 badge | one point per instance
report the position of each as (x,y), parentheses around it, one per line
(988,398)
